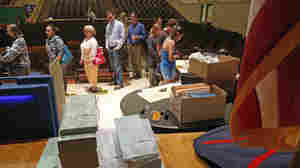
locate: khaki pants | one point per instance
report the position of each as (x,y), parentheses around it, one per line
(136,58)
(55,69)
(91,71)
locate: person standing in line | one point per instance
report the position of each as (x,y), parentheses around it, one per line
(158,22)
(54,44)
(154,43)
(3,36)
(89,48)
(136,51)
(124,50)
(161,37)
(55,51)
(168,55)
(170,25)
(16,57)
(114,40)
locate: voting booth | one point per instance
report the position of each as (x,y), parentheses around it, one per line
(28,108)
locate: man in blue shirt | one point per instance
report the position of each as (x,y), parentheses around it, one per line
(114,40)
(136,50)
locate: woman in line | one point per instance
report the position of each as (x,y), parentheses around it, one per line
(168,55)
(16,57)
(88,53)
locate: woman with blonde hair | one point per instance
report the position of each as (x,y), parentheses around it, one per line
(88,53)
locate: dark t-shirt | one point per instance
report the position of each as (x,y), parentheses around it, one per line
(161,38)
(4,39)
(153,57)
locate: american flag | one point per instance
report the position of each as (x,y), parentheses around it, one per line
(269,116)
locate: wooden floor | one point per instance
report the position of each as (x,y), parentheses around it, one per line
(176,150)
(24,155)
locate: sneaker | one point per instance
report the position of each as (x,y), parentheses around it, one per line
(138,76)
(147,75)
(118,87)
(93,89)
(131,75)
(113,83)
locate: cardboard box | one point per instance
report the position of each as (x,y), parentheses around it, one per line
(183,89)
(225,69)
(188,110)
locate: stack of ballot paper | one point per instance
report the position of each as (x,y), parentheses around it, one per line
(182,66)
(131,145)
(108,149)
(155,94)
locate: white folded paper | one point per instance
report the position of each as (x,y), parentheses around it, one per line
(155,94)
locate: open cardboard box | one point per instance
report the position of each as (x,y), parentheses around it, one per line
(189,110)
(178,90)
(225,69)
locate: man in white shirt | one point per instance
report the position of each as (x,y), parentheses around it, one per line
(114,40)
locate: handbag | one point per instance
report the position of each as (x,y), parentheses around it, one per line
(99,59)
(67,58)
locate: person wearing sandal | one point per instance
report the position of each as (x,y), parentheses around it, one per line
(88,53)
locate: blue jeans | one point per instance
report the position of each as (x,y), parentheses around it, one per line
(116,65)
(168,72)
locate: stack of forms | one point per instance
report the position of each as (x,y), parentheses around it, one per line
(131,145)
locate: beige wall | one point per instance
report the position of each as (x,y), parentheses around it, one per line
(190,11)
(230,15)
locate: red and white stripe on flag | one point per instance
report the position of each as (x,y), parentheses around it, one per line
(269,116)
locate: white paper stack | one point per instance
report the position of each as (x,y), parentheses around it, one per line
(155,94)
(137,141)
(204,58)
(108,150)
(131,145)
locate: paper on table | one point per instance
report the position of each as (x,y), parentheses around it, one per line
(155,94)
(182,66)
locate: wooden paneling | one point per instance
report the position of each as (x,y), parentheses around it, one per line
(24,155)
(177,150)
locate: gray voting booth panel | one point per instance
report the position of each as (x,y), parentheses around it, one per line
(80,115)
